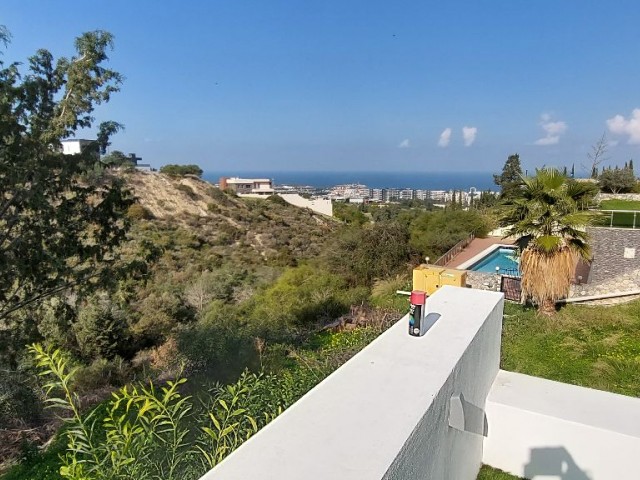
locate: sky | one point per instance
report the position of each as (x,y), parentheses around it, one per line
(349,85)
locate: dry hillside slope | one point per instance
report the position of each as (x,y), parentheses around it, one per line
(269,228)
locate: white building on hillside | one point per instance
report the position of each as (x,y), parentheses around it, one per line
(75,146)
(247,186)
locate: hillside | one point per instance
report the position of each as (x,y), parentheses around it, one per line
(264,228)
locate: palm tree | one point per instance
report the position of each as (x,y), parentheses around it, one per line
(547,214)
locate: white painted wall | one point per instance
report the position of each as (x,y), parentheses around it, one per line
(325,207)
(384,414)
(543,429)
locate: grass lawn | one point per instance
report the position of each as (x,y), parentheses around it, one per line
(597,347)
(620,205)
(488,473)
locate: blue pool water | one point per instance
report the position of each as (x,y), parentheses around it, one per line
(502,257)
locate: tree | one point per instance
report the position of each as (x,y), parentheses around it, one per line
(55,232)
(181,170)
(618,180)
(598,154)
(547,217)
(116,159)
(510,179)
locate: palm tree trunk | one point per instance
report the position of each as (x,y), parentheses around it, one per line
(547,307)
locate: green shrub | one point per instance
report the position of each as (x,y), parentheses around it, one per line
(138,212)
(181,170)
(20,400)
(277,199)
(145,429)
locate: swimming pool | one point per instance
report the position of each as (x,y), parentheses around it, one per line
(503,258)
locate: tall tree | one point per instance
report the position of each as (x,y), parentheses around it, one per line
(510,179)
(547,217)
(56,233)
(598,154)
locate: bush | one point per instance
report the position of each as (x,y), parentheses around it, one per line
(187,189)
(20,399)
(103,373)
(375,251)
(277,199)
(101,330)
(181,170)
(138,212)
(432,234)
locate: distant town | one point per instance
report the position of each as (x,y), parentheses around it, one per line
(351,193)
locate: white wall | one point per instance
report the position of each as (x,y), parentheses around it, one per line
(384,414)
(544,429)
(325,207)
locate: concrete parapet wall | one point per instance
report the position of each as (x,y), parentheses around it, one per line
(385,413)
(544,429)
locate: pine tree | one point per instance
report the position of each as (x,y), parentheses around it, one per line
(631,165)
(510,179)
(564,171)
(573,170)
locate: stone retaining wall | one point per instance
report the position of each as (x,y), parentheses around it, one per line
(617,196)
(616,252)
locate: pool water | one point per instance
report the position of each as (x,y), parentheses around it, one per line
(504,258)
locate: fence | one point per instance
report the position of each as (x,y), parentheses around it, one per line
(619,219)
(453,251)
(511,287)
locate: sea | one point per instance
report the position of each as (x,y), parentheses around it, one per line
(414,180)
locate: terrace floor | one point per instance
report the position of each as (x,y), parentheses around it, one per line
(476,246)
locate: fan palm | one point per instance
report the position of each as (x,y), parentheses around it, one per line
(547,215)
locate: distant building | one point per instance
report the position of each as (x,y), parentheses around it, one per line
(406,194)
(135,160)
(376,194)
(422,194)
(247,186)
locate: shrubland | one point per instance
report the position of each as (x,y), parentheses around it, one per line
(125,284)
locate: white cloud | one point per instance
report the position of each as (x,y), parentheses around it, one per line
(552,130)
(445,138)
(548,140)
(469,135)
(404,143)
(631,127)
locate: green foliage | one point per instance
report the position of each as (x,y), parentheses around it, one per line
(19,398)
(303,296)
(620,205)
(550,205)
(595,347)
(144,431)
(433,233)
(57,232)
(488,473)
(617,180)
(277,199)
(181,170)
(349,214)
(101,330)
(138,212)
(364,254)
(510,179)
(116,159)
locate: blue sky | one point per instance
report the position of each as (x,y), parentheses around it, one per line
(353,85)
